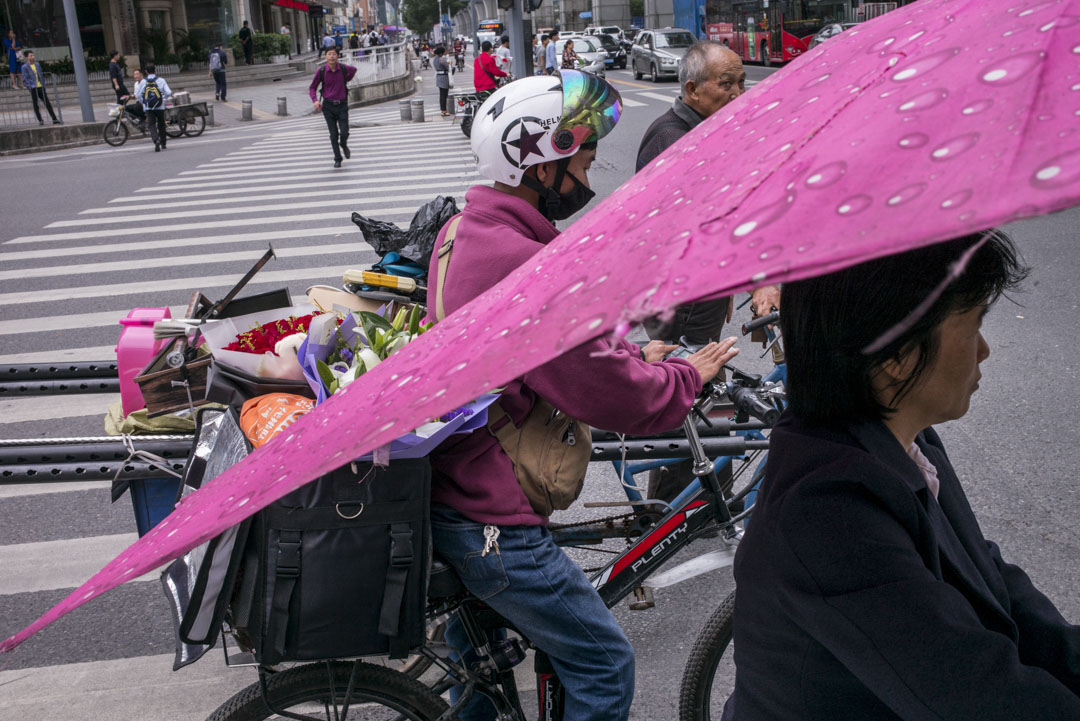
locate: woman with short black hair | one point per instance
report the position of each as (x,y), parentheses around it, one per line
(866,589)
(442,78)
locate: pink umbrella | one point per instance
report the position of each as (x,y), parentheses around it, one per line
(938,119)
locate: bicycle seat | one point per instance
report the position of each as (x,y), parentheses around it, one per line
(444,581)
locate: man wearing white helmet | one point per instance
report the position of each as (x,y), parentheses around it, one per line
(536,138)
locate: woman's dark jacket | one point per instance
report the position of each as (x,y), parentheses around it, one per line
(861,596)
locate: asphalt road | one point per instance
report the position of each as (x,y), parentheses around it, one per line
(83,228)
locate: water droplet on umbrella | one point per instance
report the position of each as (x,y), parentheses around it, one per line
(955,147)
(923,101)
(1056,172)
(956,199)
(906,194)
(1013,69)
(913,140)
(978,107)
(920,67)
(881,45)
(756,220)
(816,81)
(854,205)
(765,110)
(826,175)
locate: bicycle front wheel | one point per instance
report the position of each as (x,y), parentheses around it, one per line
(115,133)
(318,691)
(175,130)
(710,673)
(194,125)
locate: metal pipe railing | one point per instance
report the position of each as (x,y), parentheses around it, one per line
(20,111)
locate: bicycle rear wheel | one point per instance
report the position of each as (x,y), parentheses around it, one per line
(115,133)
(318,691)
(710,673)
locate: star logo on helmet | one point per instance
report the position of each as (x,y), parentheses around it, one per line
(527,143)
(521,140)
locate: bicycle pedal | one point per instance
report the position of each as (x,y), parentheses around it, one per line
(643,599)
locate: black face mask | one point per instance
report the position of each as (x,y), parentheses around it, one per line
(560,206)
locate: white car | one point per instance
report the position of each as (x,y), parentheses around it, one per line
(613,30)
(591,55)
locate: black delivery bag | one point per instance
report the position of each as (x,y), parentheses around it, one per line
(339,567)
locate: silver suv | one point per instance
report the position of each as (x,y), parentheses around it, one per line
(657,52)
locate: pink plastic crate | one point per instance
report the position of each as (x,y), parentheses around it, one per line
(134,350)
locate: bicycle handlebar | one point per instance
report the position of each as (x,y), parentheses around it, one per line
(761,322)
(748,402)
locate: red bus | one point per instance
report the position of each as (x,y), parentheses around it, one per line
(772,31)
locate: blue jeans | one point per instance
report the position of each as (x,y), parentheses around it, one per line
(535,586)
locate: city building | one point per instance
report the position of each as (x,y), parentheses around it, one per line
(162,27)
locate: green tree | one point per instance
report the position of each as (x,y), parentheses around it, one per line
(637,8)
(420,15)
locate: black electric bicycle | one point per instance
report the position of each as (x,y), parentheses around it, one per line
(357,689)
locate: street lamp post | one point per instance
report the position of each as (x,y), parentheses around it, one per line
(77,59)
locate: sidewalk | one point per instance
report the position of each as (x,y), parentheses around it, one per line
(263,97)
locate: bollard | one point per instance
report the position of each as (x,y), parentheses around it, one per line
(210,114)
(246,110)
(417,107)
(405,109)
(281,107)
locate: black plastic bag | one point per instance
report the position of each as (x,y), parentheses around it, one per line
(418,241)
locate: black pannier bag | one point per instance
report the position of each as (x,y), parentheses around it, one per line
(336,569)
(339,567)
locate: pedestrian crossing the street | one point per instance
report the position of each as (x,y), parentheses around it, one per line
(64,287)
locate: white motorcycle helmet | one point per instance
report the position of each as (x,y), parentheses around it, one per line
(537,119)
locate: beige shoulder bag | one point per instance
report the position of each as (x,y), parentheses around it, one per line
(550,450)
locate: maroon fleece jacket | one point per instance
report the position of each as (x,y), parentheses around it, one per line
(603,383)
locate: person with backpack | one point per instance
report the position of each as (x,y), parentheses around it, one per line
(487,519)
(218,59)
(152,92)
(333,101)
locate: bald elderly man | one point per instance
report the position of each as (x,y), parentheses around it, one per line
(711,76)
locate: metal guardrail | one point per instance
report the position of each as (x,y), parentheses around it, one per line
(62,460)
(37,379)
(12,114)
(376,64)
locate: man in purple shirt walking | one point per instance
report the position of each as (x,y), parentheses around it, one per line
(334,101)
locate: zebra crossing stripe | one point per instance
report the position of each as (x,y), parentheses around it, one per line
(450,187)
(277,158)
(194,176)
(255,176)
(44,566)
(321,274)
(311,159)
(348,251)
(68,321)
(156,244)
(406,212)
(19,410)
(355,179)
(346,203)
